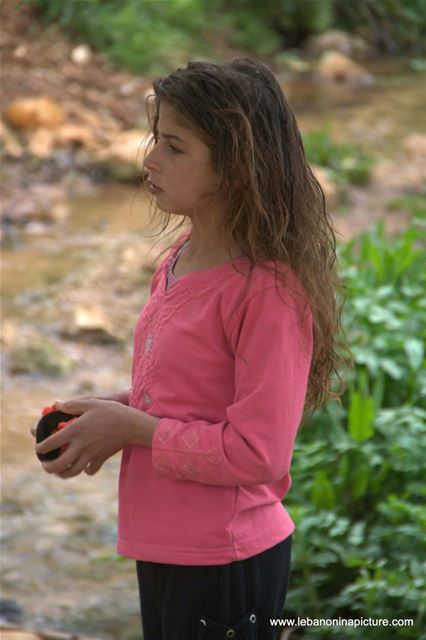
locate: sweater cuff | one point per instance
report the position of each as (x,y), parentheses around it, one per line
(176,451)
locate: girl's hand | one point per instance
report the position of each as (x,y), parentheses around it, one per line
(92,438)
(120,396)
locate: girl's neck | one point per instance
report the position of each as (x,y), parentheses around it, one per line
(205,248)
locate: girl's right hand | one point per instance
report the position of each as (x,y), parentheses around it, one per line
(120,396)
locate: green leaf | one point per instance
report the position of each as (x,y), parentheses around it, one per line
(414,349)
(360,477)
(392,368)
(356,534)
(361,416)
(322,493)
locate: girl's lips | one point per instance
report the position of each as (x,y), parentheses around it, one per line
(153,188)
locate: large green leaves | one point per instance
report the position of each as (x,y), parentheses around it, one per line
(359,492)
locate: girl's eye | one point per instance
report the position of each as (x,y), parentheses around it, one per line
(173,149)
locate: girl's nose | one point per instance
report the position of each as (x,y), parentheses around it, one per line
(151,161)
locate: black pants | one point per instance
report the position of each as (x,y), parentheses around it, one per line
(209,602)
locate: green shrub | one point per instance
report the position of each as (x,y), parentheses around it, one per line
(154,36)
(278,23)
(141,36)
(346,163)
(393,25)
(358,496)
(39,355)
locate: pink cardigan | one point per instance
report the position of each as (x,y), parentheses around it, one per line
(210,490)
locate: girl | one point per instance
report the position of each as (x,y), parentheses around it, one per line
(237,339)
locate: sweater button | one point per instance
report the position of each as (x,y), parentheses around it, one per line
(203,622)
(148,343)
(253,618)
(230,633)
(147,398)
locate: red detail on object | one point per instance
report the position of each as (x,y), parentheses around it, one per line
(47,410)
(60,426)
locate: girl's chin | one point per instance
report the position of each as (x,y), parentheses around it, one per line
(167,209)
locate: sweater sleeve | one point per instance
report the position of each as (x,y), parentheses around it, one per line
(254,444)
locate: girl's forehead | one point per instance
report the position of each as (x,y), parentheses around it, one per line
(170,119)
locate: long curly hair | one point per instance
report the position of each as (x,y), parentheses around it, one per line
(275,207)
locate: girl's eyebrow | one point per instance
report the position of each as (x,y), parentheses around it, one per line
(171,135)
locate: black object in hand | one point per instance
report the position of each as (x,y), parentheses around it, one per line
(46,426)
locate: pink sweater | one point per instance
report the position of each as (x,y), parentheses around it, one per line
(210,490)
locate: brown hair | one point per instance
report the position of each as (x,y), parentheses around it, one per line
(275,207)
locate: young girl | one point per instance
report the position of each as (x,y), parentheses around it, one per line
(235,342)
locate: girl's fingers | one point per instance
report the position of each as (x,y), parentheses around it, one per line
(58,439)
(52,442)
(65,461)
(93,467)
(74,469)
(76,407)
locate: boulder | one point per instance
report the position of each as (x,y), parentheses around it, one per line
(76,134)
(41,142)
(123,156)
(90,324)
(32,113)
(337,67)
(335,40)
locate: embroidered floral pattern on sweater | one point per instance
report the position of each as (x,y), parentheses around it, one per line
(189,468)
(161,308)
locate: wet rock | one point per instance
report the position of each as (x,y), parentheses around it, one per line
(348,44)
(10,611)
(286,61)
(337,67)
(9,332)
(31,113)
(41,143)
(78,135)
(90,323)
(81,55)
(9,143)
(128,88)
(124,153)
(42,204)
(20,52)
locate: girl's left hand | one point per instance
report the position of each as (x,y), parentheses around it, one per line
(96,435)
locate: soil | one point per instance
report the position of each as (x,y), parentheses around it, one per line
(36,60)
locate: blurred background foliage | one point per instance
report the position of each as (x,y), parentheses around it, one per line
(154,36)
(358,494)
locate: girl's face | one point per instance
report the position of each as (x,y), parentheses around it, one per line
(181,175)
